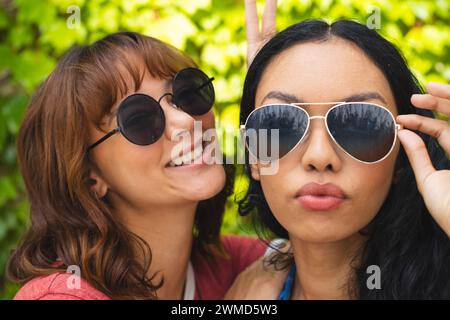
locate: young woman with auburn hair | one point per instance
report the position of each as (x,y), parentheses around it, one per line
(107,197)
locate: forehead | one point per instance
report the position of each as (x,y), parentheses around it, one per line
(324,72)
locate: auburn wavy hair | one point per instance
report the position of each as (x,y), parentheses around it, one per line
(68,222)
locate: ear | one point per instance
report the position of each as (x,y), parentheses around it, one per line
(99,186)
(254,169)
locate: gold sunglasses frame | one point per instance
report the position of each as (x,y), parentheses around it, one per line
(336,104)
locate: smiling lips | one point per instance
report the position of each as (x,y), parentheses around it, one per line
(192,157)
(318,197)
(189,157)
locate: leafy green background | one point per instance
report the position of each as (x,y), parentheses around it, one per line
(34,35)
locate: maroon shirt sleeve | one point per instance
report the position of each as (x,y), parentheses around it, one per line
(214,276)
(54,287)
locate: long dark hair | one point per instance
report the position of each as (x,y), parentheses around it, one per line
(411,250)
(67,220)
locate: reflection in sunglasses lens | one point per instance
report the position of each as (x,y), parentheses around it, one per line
(365,131)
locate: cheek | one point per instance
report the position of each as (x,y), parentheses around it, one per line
(371,182)
(370,185)
(278,188)
(126,166)
(207,120)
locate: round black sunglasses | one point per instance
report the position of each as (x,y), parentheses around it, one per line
(141,119)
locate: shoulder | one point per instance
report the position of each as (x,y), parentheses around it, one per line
(243,250)
(214,275)
(59,286)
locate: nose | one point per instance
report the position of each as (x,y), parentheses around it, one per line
(177,121)
(319,149)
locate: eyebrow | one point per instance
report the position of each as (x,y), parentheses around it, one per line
(290,98)
(364,96)
(282,96)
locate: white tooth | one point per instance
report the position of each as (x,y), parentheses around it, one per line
(198,152)
(194,156)
(187,158)
(177,161)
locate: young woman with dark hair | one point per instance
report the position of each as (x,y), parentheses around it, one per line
(355,190)
(108,197)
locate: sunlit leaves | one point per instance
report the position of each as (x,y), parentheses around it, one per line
(29,68)
(175,28)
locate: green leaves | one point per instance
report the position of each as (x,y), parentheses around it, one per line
(30,68)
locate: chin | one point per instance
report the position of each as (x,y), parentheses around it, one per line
(206,187)
(322,232)
(321,238)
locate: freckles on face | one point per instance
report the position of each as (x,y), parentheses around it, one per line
(324,72)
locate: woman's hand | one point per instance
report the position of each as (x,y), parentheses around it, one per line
(261,280)
(432,184)
(256,38)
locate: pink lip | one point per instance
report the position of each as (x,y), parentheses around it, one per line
(314,196)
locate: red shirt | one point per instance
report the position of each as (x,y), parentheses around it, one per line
(213,277)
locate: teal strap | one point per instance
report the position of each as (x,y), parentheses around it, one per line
(288,283)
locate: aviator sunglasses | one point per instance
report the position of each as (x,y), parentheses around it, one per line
(367,132)
(141,119)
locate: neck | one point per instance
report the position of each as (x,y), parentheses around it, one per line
(324,269)
(168,232)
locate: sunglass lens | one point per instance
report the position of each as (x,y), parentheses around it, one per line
(272,131)
(365,131)
(193,91)
(141,119)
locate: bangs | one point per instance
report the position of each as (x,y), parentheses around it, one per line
(115,65)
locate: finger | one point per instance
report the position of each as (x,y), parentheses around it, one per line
(431,102)
(251,29)
(440,90)
(418,156)
(440,129)
(269,22)
(251,21)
